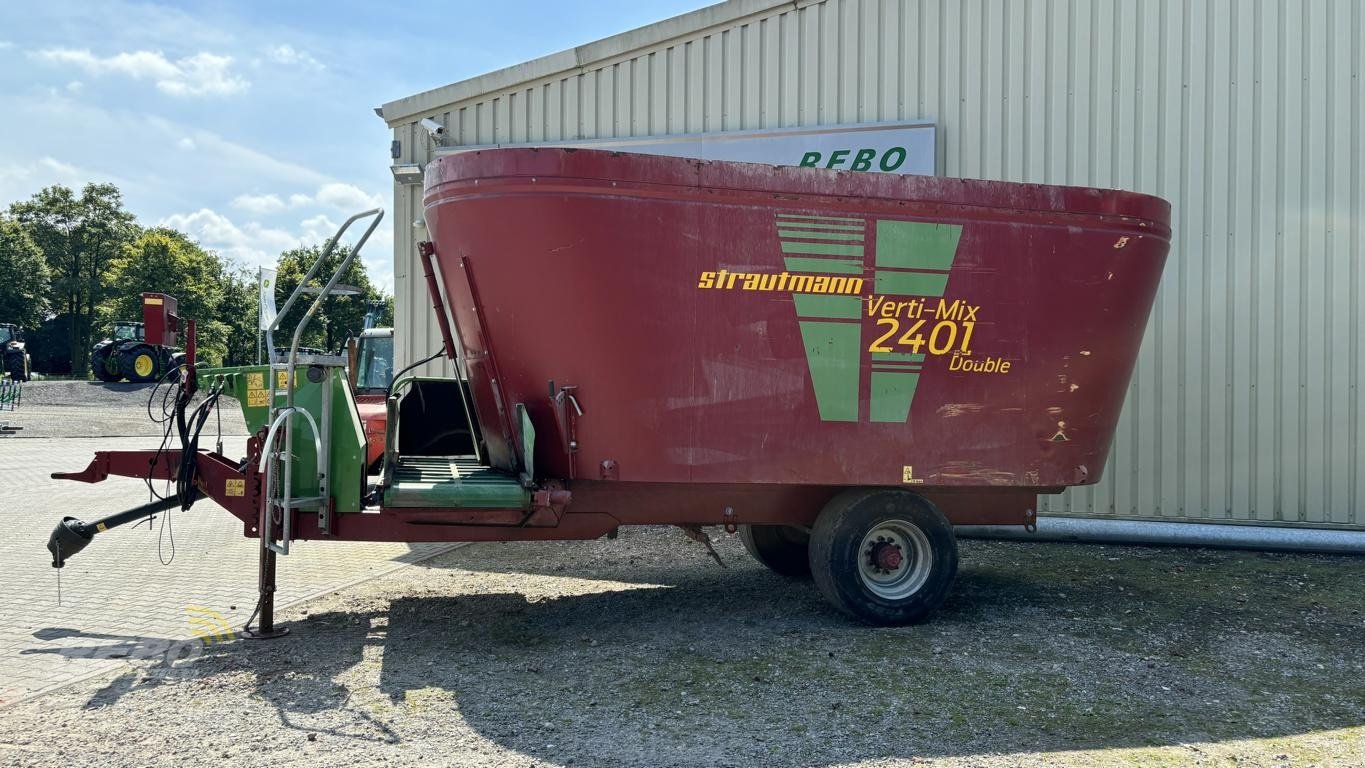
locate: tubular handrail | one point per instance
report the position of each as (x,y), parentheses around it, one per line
(281,417)
(378,214)
(279,421)
(327,251)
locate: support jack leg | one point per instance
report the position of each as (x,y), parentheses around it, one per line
(265,627)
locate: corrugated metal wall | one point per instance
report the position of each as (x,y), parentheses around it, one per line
(1246,114)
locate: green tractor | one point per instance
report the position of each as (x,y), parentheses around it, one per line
(141,352)
(14,357)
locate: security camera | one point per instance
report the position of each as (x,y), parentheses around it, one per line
(434,128)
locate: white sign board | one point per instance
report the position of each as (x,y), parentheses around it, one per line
(906,148)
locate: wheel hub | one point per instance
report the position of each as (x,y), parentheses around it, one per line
(894,559)
(886,556)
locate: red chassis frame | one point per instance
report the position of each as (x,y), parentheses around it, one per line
(598,507)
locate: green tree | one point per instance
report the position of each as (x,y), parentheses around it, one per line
(79,236)
(23,277)
(340,316)
(239,313)
(167,261)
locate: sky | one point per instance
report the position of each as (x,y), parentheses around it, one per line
(251,125)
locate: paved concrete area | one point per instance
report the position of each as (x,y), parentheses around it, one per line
(118,589)
(95,409)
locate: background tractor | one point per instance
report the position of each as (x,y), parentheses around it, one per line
(370,365)
(141,352)
(13,355)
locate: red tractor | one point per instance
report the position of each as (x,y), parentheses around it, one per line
(141,352)
(370,361)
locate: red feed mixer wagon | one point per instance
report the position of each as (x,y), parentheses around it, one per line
(838,366)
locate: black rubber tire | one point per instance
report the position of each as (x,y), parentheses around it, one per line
(16,368)
(835,542)
(99,363)
(150,362)
(784,549)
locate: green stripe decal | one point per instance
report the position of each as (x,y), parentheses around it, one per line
(811,217)
(819,225)
(832,354)
(891,394)
(912,259)
(897,357)
(849,237)
(834,307)
(912,283)
(822,249)
(917,245)
(832,266)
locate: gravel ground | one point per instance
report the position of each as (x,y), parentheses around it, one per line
(641,652)
(97,409)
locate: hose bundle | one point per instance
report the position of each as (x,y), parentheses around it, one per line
(187,424)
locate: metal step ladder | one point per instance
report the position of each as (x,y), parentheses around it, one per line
(277,455)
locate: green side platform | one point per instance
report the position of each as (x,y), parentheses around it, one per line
(453,482)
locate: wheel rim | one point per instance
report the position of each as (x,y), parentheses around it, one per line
(894,559)
(143,365)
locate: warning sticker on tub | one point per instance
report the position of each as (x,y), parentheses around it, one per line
(256,394)
(868,328)
(234,486)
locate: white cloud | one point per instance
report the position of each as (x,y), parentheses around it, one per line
(19,180)
(186,143)
(258,203)
(333,194)
(347,197)
(320,221)
(319,228)
(287,54)
(246,159)
(250,243)
(5,44)
(74,86)
(198,75)
(255,244)
(58,167)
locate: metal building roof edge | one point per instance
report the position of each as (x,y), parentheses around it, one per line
(581,57)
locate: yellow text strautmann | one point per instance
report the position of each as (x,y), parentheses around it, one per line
(782,281)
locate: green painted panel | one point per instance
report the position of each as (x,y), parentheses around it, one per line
(851,237)
(912,283)
(917,245)
(810,217)
(248,385)
(822,249)
(832,354)
(901,357)
(789,224)
(833,266)
(837,307)
(891,395)
(455,483)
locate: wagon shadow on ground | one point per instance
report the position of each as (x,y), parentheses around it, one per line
(1048,647)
